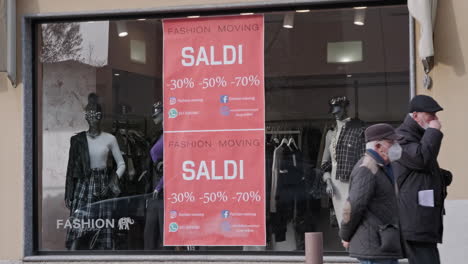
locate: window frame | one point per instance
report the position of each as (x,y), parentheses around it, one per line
(30,26)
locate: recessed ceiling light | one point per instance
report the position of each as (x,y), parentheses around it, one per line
(116,74)
(349,75)
(303,10)
(141,19)
(193,16)
(122,28)
(358,23)
(246,14)
(288,21)
(360,7)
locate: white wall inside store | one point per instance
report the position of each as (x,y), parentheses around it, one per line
(66,86)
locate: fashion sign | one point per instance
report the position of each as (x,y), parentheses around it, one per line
(214,131)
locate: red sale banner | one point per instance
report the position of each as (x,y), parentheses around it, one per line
(214,131)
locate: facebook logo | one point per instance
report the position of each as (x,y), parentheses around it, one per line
(225,214)
(224,99)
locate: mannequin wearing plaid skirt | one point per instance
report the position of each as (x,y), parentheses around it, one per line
(87,183)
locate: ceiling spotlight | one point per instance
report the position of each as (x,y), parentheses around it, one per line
(288,21)
(246,14)
(359,17)
(122,28)
(193,16)
(116,74)
(349,75)
(360,7)
(303,11)
(141,19)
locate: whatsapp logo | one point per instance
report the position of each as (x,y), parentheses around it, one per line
(173,113)
(173,227)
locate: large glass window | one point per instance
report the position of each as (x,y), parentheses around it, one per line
(99,84)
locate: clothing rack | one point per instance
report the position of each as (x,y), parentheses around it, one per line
(288,132)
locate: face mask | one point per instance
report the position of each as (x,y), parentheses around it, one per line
(394,152)
(423,124)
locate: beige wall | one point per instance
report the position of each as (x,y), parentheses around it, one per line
(449,80)
(450,89)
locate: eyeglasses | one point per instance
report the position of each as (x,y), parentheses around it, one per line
(93,115)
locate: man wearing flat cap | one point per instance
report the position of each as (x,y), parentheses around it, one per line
(422,183)
(370,225)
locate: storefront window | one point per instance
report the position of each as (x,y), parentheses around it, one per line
(327,75)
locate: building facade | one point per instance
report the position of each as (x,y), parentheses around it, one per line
(303,70)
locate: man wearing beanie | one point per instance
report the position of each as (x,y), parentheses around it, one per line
(422,184)
(370,225)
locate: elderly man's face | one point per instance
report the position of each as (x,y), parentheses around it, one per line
(382,148)
(424,118)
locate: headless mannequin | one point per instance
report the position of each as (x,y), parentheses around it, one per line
(153,233)
(158,119)
(337,189)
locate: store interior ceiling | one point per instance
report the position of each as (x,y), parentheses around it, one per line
(302,50)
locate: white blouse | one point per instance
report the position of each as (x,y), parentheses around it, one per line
(99,148)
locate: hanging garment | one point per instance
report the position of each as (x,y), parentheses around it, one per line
(288,189)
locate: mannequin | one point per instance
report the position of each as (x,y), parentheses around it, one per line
(344,145)
(157,149)
(90,180)
(155,205)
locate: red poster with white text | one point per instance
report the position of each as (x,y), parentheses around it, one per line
(214,138)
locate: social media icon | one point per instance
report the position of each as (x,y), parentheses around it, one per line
(173,227)
(172,100)
(225,111)
(173,214)
(225,214)
(226,226)
(173,113)
(224,99)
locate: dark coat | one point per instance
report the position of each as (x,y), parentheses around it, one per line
(418,170)
(78,164)
(370,215)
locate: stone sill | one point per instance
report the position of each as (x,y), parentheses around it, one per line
(108,259)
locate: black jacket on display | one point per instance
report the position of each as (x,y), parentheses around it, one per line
(78,164)
(370,215)
(418,170)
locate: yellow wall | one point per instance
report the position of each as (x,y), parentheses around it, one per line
(450,89)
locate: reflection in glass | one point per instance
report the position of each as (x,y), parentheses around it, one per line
(323,55)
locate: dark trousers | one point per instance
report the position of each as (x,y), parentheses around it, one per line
(422,252)
(153,235)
